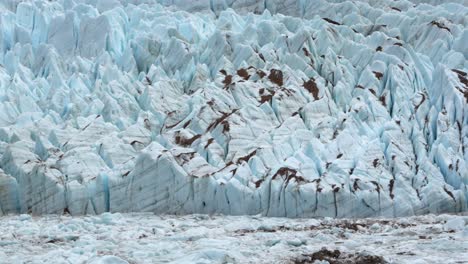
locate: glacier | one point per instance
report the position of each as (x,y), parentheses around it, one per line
(279,108)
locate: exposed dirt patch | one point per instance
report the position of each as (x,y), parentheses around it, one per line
(227,80)
(221,120)
(352,225)
(338,257)
(226,126)
(276,76)
(180,140)
(311,86)
(375,163)
(462,76)
(390,187)
(243,73)
(462,73)
(211,140)
(288,174)
(184,158)
(377,186)
(265,95)
(247,157)
(355,184)
(261,74)
(360,226)
(258,183)
(382,100)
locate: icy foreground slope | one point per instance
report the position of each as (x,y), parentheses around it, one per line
(346,109)
(147,238)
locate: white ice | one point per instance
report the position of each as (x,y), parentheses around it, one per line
(147,238)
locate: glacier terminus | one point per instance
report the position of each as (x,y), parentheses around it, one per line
(281,108)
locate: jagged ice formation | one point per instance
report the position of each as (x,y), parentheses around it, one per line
(281,108)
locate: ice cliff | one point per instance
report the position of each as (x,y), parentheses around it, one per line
(281,108)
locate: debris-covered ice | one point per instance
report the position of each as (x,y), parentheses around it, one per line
(147,238)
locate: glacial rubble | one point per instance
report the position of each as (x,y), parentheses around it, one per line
(147,238)
(280,108)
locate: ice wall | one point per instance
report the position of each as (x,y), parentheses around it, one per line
(281,108)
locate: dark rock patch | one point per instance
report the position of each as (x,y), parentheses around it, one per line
(378,75)
(450,193)
(338,257)
(262,57)
(440,25)
(331,21)
(390,187)
(258,183)
(382,100)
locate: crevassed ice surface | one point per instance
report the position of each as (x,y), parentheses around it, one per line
(281,108)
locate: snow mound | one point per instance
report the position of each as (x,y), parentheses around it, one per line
(280,108)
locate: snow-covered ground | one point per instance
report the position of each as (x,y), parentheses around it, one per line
(147,238)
